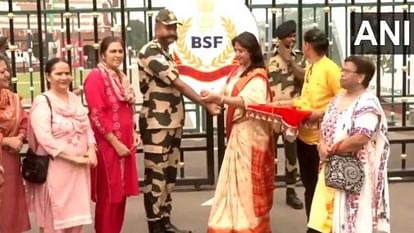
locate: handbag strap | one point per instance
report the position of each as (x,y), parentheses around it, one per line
(51,111)
(51,120)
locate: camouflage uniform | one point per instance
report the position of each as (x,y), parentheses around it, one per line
(161,122)
(284,86)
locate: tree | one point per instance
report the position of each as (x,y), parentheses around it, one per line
(137,36)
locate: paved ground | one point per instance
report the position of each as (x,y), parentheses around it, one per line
(190,212)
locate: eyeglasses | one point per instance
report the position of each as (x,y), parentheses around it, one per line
(343,70)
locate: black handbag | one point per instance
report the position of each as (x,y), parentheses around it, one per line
(344,172)
(35,167)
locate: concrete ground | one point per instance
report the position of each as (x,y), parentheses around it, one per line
(191,208)
(190,212)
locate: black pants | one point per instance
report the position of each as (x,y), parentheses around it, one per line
(308,158)
(310,230)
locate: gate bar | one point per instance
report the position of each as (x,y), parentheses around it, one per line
(40,39)
(13,54)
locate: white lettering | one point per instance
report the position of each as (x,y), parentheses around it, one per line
(365,26)
(406,32)
(385,29)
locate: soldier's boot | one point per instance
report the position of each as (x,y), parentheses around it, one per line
(292,199)
(170,228)
(155,227)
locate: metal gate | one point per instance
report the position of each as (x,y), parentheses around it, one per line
(72,29)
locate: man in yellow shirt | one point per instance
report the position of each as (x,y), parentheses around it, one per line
(321,84)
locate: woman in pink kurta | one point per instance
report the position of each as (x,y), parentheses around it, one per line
(63,131)
(14,216)
(111,100)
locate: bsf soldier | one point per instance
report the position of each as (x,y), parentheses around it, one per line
(161,121)
(286,75)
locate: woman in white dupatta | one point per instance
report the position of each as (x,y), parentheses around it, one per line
(354,122)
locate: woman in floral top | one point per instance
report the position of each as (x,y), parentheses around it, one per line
(354,123)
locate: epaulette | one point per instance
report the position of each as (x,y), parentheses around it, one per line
(297,51)
(154,44)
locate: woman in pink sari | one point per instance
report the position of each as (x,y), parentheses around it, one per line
(244,192)
(14,216)
(111,100)
(62,131)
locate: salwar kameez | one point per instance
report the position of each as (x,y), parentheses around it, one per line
(111,110)
(14,217)
(62,203)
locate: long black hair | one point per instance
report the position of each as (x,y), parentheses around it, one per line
(248,41)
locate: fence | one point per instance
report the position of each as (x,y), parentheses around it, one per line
(43,29)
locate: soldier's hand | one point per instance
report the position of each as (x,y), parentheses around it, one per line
(285,53)
(204,93)
(213,108)
(210,97)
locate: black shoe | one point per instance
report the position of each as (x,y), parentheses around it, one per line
(155,227)
(170,228)
(293,200)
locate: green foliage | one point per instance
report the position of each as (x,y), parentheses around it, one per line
(137,35)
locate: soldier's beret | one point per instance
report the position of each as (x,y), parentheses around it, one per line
(285,29)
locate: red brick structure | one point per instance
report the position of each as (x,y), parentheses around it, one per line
(26,28)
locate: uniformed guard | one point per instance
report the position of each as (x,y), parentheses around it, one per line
(286,73)
(161,121)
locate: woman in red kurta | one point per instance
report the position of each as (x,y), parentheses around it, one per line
(111,100)
(14,216)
